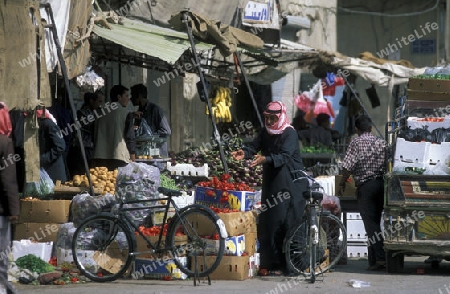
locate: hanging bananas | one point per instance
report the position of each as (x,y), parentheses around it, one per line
(220,105)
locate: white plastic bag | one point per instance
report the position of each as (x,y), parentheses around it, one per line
(358,284)
(440,169)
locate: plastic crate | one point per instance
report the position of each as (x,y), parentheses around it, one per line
(356,250)
(187,169)
(356,230)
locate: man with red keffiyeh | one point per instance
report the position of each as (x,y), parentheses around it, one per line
(280,157)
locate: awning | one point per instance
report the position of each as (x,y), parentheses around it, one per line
(165,44)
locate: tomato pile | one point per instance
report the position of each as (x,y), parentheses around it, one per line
(155,230)
(224,185)
(431,119)
(213,237)
(223,210)
(152,231)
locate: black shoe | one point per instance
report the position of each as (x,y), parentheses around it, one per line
(379,266)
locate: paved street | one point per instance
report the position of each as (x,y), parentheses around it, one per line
(337,282)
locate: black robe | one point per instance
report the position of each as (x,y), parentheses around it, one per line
(52,148)
(283,158)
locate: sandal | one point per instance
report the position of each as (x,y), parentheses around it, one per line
(263,272)
(275,273)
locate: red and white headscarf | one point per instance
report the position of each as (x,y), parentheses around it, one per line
(40,114)
(279,109)
(5,120)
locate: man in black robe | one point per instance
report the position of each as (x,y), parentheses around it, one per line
(280,157)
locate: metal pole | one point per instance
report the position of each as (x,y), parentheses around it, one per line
(247,83)
(48,7)
(185,19)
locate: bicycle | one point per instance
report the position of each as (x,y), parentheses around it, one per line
(104,245)
(306,243)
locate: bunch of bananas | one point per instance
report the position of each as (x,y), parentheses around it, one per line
(220,105)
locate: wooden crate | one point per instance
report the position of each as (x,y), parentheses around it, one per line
(324,264)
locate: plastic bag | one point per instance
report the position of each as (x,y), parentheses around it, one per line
(331,203)
(85,205)
(358,284)
(440,169)
(46,184)
(143,129)
(138,181)
(40,189)
(303,102)
(90,81)
(440,135)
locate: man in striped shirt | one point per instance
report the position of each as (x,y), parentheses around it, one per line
(365,160)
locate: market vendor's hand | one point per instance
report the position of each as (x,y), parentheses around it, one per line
(238,155)
(258,159)
(341,190)
(133,157)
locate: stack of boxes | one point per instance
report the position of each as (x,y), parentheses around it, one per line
(240,260)
(40,219)
(356,233)
(356,236)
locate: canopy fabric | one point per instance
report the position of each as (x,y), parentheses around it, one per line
(278,62)
(379,74)
(162,43)
(227,38)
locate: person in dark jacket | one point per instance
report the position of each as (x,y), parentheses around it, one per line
(89,110)
(9,194)
(152,113)
(51,147)
(280,157)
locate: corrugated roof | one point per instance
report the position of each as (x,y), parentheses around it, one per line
(165,44)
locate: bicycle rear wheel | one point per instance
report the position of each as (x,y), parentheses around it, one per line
(336,237)
(101,247)
(298,247)
(195,236)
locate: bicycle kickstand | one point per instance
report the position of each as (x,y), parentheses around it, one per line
(196,276)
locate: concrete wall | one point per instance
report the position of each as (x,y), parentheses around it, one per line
(357,33)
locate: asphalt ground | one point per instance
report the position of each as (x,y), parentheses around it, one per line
(417,277)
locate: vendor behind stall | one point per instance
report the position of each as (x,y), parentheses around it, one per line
(152,113)
(320,134)
(115,144)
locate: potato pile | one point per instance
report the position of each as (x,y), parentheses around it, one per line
(101,179)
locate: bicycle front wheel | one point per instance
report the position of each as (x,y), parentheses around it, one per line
(101,247)
(194,238)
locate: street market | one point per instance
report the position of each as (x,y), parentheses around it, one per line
(173,143)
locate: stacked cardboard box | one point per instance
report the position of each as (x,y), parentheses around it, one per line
(40,220)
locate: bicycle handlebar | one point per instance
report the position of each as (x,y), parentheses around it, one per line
(169,192)
(308,177)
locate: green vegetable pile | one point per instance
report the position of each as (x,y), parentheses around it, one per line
(168,183)
(319,148)
(34,263)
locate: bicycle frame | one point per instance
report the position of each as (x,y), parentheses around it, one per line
(155,247)
(312,212)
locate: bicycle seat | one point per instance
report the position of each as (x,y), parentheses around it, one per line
(316,195)
(169,192)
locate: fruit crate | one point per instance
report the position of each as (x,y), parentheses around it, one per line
(187,169)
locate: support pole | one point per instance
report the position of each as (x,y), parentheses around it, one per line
(247,83)
(185,19)
(62,63)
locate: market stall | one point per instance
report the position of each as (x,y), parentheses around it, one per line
(418,194)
